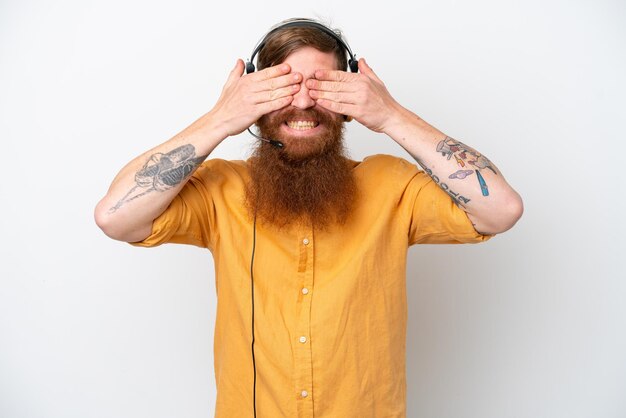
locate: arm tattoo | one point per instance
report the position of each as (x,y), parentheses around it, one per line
(458,199)
(469,160)
(462,153)
(162,172)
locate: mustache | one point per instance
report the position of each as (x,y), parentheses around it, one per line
(293,113)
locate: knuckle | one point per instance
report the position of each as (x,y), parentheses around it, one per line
(266,74)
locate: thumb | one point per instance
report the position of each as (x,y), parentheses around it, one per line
(236,72)
(367,70)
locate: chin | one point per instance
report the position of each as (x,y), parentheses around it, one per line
(298,149)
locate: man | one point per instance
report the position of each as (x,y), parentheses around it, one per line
(309,246)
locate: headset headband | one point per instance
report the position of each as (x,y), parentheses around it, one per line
(353,63)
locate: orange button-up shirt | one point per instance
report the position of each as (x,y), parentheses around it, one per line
(330,307)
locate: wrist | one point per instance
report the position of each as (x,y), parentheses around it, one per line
(399,120)
(412,132)
(213,126)
(206,133)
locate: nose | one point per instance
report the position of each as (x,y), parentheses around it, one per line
(301,99)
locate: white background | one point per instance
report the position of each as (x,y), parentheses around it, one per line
(531,324)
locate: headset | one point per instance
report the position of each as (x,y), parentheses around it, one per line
(353,64)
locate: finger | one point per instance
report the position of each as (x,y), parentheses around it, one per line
(334,75)
(268,107)
(236,72)
(271,72)
(341,108)
(364,68)
(269,95)
(335,97)
(313,84)
(278,82)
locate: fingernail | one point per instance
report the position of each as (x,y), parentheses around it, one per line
(285,67)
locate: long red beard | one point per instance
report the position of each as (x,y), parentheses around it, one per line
(309,180)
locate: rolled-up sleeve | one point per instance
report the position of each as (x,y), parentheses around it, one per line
(190,218)
(434,217)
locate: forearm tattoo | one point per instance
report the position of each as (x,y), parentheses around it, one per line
(470,162)
(162,172)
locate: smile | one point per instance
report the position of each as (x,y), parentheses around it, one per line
(301,125)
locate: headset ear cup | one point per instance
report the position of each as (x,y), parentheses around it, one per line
(354,65)
(249,67)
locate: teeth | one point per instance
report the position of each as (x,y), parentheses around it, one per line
(301,125)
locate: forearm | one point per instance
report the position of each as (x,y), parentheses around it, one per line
(145,187)
(467,176)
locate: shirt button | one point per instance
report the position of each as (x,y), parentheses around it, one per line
(303,339)
(305,290)
(305,241)
(304,393)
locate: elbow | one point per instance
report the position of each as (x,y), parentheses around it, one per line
(102,217)
(504,218)
(511,212)
(115,227)
(514,211)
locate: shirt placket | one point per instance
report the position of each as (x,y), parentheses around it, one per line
(303,354)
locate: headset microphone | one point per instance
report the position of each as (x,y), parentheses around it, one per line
(274,142)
